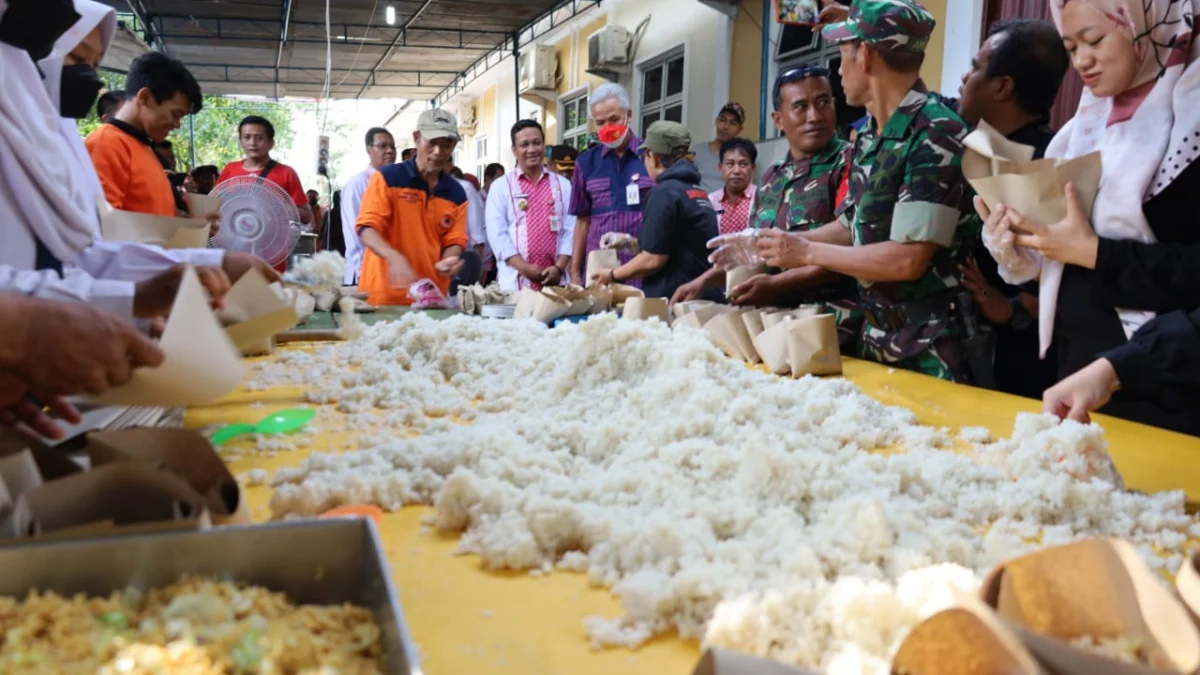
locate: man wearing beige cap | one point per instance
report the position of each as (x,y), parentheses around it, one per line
(677,223)
(413,219)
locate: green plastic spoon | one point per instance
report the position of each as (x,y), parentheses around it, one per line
(282,422)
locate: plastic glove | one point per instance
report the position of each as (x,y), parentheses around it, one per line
(617,240)
(1016,265)
(734,250)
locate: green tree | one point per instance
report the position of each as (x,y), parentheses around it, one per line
(215,127)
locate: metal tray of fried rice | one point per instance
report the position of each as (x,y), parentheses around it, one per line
(318,562)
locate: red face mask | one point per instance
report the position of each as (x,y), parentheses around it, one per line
(613,135)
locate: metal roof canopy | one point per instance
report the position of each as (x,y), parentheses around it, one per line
(277,48)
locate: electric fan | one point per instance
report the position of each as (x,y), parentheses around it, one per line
(257,217)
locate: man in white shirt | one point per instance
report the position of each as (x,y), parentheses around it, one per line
(381,148)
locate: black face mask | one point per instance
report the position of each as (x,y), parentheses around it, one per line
(34,25)
(81,84)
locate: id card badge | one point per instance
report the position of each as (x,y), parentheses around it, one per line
(555,224)
(633,194)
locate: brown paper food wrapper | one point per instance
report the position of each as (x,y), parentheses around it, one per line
(645,309)
(812,346)
(772,319)
(710,312)
(741,335)
(601,259)
(125,493)
(1001,172)
(806,311)
(753,318)
(720,331)
(540,306)
(771,345)
(741,274)
(968,639)
(1098,590)
(622,293)
(689,306)
(577,299)
(601,296)
(1188,584)
(164,231)
(258,314)
(689,320)
(725,662)
(182,452)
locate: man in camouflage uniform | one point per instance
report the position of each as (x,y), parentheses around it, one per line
(908,221)
(797,194)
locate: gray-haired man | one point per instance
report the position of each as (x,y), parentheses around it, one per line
(611,182)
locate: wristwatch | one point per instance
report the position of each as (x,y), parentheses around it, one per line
(1021,318)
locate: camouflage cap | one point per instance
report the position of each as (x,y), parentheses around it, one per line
(438,123)
(898,25)
(665,137)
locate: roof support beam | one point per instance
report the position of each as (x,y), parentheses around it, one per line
(257,30)
(283,32)
(149,33)
(399,36)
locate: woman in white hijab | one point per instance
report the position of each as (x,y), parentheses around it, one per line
(1104,276)
(57,201)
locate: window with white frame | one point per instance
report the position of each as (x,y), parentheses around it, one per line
(481,155)
(798,46)
(573,121)
(662,94)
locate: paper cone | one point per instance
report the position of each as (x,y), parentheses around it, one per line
(739,275)
(539,306)
(689,320)
(1001,173)
(771,345)
(1188,583)
(261,313)
(622,293)
(645,309)
(601,259)
(965,640)
(771,319)
(806,311)
(201,365)
(1098,589)
(721,334)
(753,318)
(681,308)
(812,346)
(741,335)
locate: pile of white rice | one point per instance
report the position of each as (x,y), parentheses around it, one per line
(738,508)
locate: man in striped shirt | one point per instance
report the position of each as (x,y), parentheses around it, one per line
(611,183)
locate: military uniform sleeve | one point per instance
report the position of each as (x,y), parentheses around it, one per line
(927,206)
(658,220)
(376,209)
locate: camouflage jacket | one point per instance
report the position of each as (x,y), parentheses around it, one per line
(907,185)
(802,195)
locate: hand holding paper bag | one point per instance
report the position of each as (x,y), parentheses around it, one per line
(1070,241)
(200,364)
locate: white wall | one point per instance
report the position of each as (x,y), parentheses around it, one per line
(707,38)
(964,25)
(506,116)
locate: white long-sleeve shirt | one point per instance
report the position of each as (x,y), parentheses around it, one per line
(476,215)
(503,219)
(352,196)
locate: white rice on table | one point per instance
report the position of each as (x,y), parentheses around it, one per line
(741,509)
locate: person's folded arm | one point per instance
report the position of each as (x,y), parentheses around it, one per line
(1161,363)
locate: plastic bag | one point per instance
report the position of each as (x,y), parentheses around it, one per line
(426,295)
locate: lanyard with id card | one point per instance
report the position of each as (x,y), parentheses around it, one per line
(633,192)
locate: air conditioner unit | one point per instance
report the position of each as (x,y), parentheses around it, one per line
(539,69)
(608,51)
(466,117)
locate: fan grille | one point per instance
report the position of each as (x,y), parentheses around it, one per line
(257,217)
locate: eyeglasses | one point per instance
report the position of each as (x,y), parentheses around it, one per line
(384,146)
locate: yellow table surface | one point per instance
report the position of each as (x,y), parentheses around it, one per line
(469,620)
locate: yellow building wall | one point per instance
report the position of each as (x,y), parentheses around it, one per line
(931,72)
(745,68)
(572,71)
